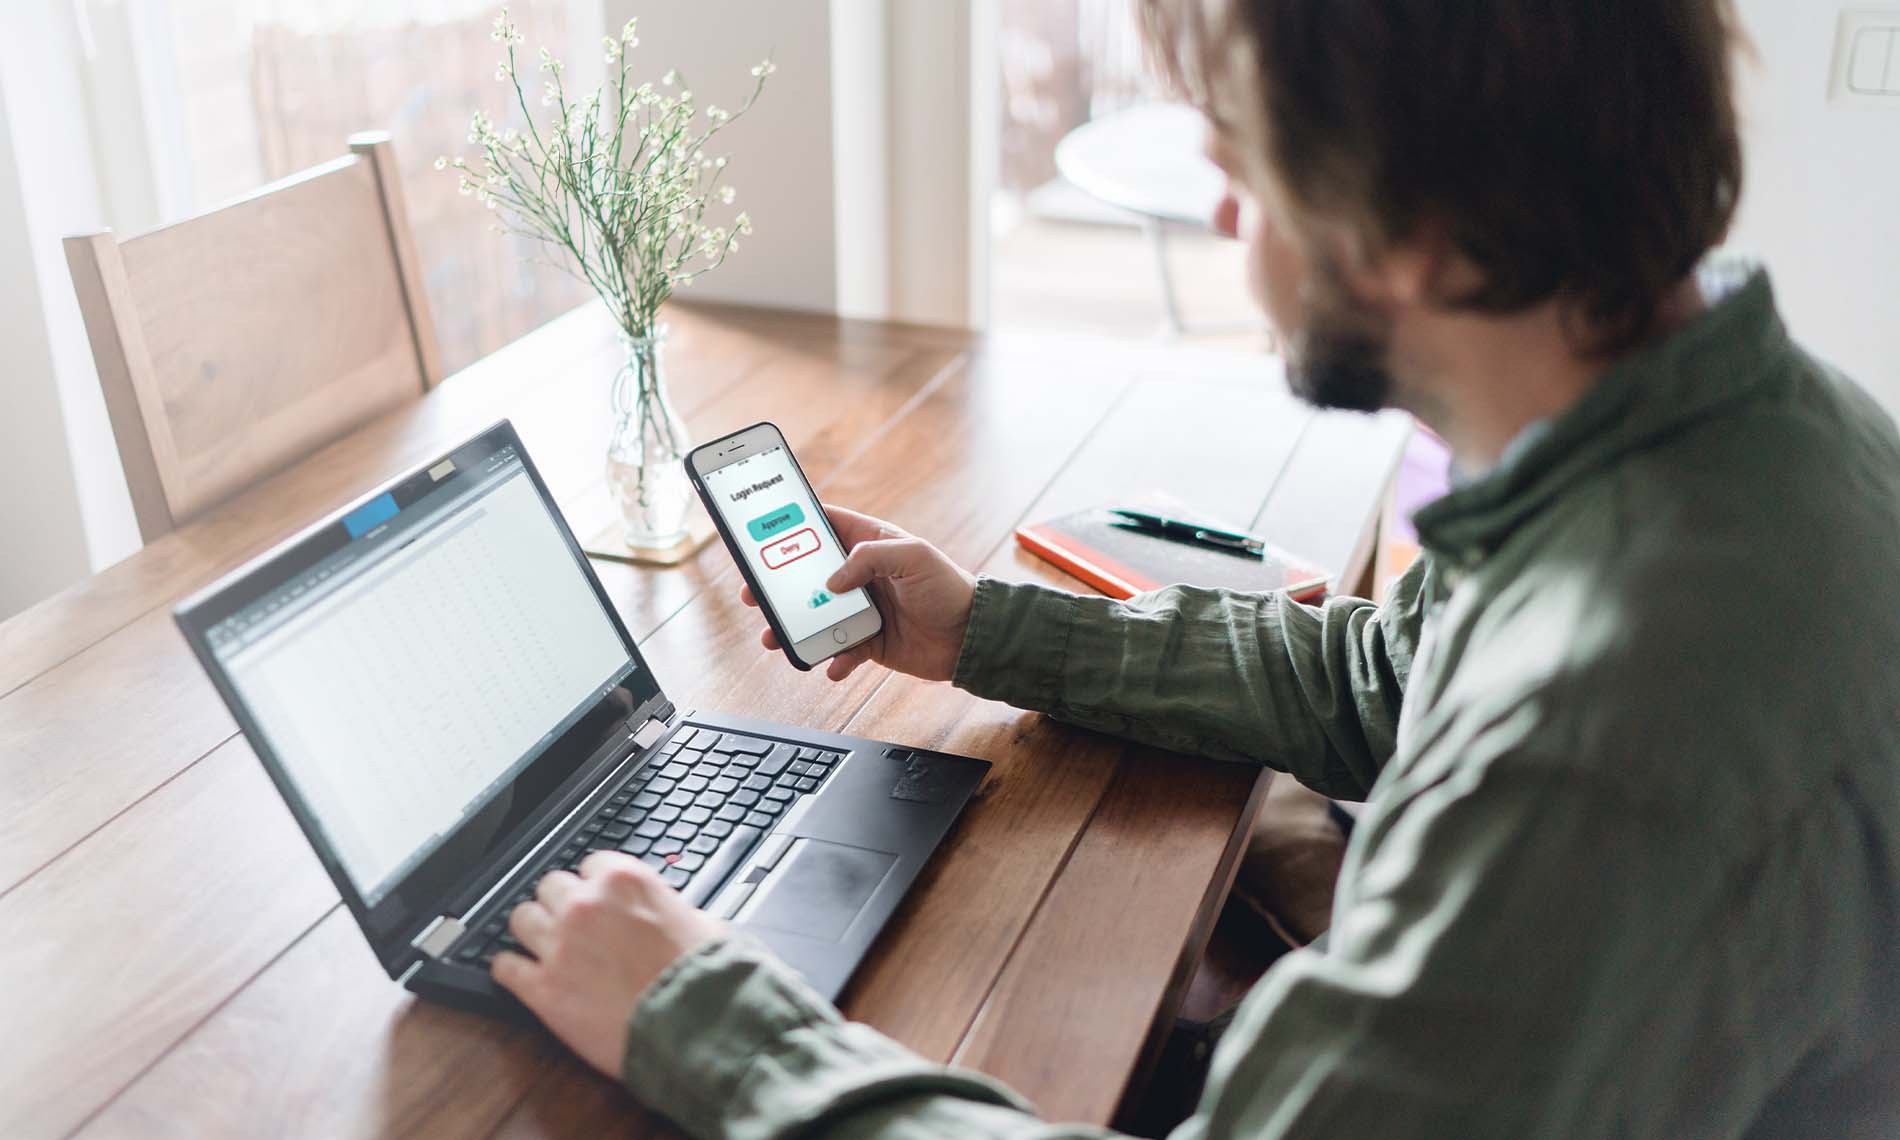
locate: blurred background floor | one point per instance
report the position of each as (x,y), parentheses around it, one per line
(1052,275)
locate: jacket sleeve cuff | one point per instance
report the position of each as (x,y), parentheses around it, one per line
(730,1043)
(1016,646)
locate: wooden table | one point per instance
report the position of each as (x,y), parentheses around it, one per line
(177,964)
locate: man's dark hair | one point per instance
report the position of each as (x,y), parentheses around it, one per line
(1577,149)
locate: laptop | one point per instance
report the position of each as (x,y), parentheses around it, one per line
(439,687)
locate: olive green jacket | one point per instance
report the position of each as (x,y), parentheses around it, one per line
(1629,742)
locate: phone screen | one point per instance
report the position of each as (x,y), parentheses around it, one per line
(784,539)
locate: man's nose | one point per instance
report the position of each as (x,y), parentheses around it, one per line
(1226,219)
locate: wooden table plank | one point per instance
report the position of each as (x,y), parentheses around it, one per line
(954,437)
(124,943)
(1158,855)
(74,752)
(1344,461)
(276,1059)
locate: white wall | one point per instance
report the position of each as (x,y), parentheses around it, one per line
(64,510)
(1822,202)
(781,150)
(915,122)
(44,544)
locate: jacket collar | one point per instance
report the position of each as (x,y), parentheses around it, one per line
(1717,360)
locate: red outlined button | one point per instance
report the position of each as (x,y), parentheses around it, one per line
(790,549)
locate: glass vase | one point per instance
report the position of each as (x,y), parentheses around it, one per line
(645,455)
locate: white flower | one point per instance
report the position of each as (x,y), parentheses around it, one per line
(719,163)
(547,60)
(627,34)
(761,70)
(501,72)
(611,48)
(727,194)
(686,96)
(715,114)
(464,186)
(441,162)
(550,93)
(743,223)
(510,135)
(670,78)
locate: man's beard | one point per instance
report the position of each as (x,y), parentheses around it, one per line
(1338,359)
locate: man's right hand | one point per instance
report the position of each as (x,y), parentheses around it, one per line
(925,599)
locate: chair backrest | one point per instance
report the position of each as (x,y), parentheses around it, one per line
(235,343)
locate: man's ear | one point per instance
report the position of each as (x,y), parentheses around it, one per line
(1428,267)
(1404,274)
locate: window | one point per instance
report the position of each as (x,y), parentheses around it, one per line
(265,88)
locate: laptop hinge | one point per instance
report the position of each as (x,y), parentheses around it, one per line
(438,936)
(649,733)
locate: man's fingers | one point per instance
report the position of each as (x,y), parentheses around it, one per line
(516,973)
(555,890)
(844,664)
(533,926)
(746,596)
(870,561)
(768,639)
(854,528)
(619,874)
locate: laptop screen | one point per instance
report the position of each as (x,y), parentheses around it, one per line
(405,679)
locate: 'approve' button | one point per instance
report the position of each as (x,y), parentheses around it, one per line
(790,549)
(784,520)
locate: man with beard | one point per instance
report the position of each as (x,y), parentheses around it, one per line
(1628,734)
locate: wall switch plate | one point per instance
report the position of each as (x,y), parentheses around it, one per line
(1866,69)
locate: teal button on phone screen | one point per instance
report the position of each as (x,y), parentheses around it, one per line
(776,522)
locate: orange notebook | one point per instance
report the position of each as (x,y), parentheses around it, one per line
(1123,563)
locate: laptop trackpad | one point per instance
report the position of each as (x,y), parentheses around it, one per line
(818,888)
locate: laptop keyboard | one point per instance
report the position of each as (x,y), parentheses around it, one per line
(693,814)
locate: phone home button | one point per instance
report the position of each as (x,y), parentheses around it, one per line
(838,635)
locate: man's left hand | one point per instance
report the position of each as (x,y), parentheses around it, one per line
(599,939)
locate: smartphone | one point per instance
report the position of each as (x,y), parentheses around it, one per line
(784,545)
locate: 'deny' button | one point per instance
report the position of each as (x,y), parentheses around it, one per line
(780,521)
(784,551)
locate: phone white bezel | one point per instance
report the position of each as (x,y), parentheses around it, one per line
(858,627)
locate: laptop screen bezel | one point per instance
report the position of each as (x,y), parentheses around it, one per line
(415,899)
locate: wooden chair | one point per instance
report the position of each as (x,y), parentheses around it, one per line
(233,344)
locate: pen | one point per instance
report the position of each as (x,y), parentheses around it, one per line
(1231,542)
